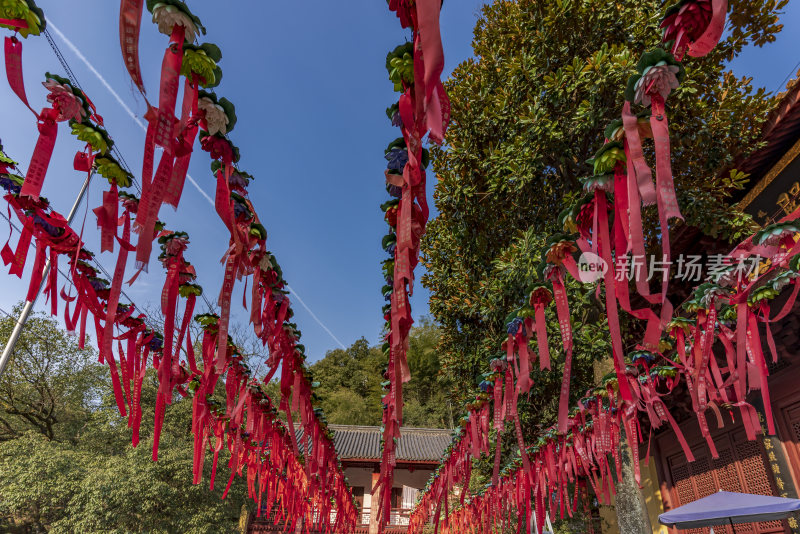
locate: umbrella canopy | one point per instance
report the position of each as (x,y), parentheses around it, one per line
(726,507)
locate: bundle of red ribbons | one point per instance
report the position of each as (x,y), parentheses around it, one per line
(732,311)
(415,69)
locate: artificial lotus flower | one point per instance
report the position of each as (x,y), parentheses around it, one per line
(540,295)
(600,182)
(219,148)
(239,180)
(175,243)
(661,78)
(129,202)
(397,158)
(657,72)
(68,105)
(168,16)
(215,116)
(708,293)
(784,279)
(685,22)
(559,250)
(777,233)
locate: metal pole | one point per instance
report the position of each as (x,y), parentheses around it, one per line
(26,310)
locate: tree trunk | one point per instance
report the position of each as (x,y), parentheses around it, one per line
(630,506)
(632,517)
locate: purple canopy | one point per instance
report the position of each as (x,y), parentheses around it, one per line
(726,508)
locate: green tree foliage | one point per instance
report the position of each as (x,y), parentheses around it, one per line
(528,111)
(51,385)
(66,461)
(350,382)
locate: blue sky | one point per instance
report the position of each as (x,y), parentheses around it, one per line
(310,87)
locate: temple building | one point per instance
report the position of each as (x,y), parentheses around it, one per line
(419,452)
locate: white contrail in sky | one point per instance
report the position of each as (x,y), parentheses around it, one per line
(138,121)
(116,96)
(303,304)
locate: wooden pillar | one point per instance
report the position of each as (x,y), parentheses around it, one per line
(373,505)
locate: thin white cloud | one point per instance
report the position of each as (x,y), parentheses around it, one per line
(303,304)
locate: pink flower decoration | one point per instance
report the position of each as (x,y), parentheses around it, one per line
(687,24)
(219,148)
(176,245)
(64,101)
(660,79)
(131,205)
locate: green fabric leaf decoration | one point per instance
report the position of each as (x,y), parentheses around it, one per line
(26,10)
(110,169)
(400,65)
(650,59)
(5,159)
(202,60)
(185,290)
(607,157)
(94,135)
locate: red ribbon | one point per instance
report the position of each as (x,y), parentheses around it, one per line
(713,32)
(114,294)
(13,55)
(643,175)
(48,129)
(611,295)
(130,19)
(564,323)
(174,189)
(168,92)
(435,102)
(107,216)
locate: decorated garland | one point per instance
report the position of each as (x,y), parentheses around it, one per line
(594,429)
(198,64)
(323,486)
(308,483)
(214,118)
(414,69)
(622,182)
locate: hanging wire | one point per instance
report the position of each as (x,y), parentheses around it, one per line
(74,80)
(792,72)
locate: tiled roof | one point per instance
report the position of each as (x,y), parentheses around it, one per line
(415,444)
